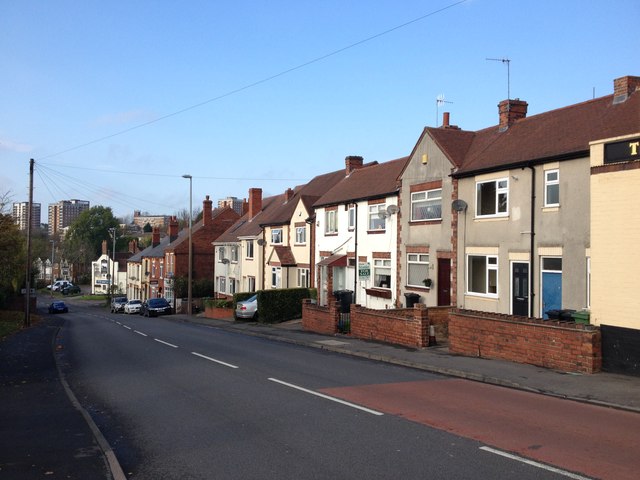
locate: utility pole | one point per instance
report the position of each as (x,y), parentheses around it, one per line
(27,305)
(112,232)
(53,245)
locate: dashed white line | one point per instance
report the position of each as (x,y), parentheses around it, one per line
(127,327)
(214,360)
(140,333)
(327,397)
(118,323)
(535,464)
(166,343)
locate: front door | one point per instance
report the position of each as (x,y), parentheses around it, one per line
(551,292)
(520,288)
(444,281)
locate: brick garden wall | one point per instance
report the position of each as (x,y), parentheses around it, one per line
(403,326)
(320,319)
(551,344)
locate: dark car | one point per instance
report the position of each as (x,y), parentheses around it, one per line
(155,306)
(117,304)
(71,289)
(58,307)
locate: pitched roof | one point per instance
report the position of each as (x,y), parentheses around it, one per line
(250,227)
(285,255)
(555,135)
(373,181)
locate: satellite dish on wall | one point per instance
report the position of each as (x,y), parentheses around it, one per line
(261,242)
(459,205)
(393,209)
(225,260)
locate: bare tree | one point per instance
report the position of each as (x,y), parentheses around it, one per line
(6,198)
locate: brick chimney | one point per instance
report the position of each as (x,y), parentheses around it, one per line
(173,228)
(133,246)
(352,163)
(255,202)
(288,195)
(446,124)
(510,112)
(207,217)
(105,250)
(623,87)
(155,237)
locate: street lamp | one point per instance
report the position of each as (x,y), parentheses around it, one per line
(112,232)
(53,244)
(190,243)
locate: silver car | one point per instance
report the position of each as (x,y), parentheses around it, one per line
(247,308)
(133,306)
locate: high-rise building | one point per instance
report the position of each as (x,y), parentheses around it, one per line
(21,215)
(232,202)
(63,213)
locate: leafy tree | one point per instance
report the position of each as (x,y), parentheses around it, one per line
(12,261)
(90,229)
(147,228)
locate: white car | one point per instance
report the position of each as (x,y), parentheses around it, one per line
(59,285)
(133,306)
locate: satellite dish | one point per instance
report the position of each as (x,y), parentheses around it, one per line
(459,205)
(393,209)
(225,260)
(261,242)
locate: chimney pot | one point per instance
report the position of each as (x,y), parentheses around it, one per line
(353,162)
(445,119)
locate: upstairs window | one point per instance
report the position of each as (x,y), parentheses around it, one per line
(377,216)
(221,254)
(250,250)
(492,198)
(352,217)
(551,188)
(331,221)
(301,235)
(276,236)
(234,253)
(426,205)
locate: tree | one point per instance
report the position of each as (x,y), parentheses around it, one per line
(90,229)
(12,261)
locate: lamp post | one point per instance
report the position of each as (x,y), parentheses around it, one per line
(112,232)
(53,244)
(190,268)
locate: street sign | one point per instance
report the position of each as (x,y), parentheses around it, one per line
(364,270)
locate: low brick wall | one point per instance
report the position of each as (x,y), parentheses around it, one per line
(218,313)
(320,319)
(408,327)
(556,345)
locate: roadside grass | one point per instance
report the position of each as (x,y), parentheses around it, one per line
(12,321)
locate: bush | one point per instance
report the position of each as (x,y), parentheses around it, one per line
(218,303)
(275,306)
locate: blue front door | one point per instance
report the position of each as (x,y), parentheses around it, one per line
(551,292)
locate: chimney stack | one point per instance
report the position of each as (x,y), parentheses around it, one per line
(623,87)
(288,195)
(352,163)
(445,119)
(255,202)
(510,112)
(155,237)
(207,209)
(173,228)
(104,247)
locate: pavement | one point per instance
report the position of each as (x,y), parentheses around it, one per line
(45,432)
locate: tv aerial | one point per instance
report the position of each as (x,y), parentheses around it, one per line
(440,101)
(507,61)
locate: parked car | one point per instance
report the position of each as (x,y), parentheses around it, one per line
(247,308)
(71,289)
(59,285)
(133,306)
(117,304)
(58,307)
(155,306)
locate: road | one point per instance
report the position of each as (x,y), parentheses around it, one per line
(184,401)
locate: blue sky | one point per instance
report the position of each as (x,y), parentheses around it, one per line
(117,100)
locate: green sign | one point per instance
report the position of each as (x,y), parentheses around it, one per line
(364,270)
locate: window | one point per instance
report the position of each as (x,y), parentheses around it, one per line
(250,250)
(276,235)
(352,217)
(330,221)
(382,273)
(426,205)
(301,235)
(234,253)
(377,216)
(222,284)
(482,277)
(417,269)
(303,277)
(251,284)
(221,254)
(492,198)
(275,277)
(551,188)
(232,286)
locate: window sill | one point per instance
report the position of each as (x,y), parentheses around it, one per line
(375,232)
(331,234)
(493,218)
(378,292)
(551,208)
(425,222)
(416,287)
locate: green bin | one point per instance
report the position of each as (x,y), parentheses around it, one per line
(581,317)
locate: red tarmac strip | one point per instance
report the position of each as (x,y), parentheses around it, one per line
(596,441)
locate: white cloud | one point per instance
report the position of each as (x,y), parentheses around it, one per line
(11,146)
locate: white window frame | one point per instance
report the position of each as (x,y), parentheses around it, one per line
(301,235)
(276,236)
(421,259)
(221,254)
(234,253)
(550,183)
(377,223)
(501,189)
(222,284)
(382,264)
(249,245)
(491,267)
(232,286)
(331,222)
(303,277)
(352,217)
(251,284)
(276,277)
(431,201)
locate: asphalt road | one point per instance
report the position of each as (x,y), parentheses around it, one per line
(184,401)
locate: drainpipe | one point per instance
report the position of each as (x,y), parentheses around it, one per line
(355,277)
(532,240)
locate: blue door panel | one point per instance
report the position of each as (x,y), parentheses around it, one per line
(551,292)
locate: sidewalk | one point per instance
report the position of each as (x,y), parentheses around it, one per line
(605,389)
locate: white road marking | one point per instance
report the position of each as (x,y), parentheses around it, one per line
(165,343)
(118,323)
(327,397)
(535,464)
(127,327)
(140,333)
(214,360)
